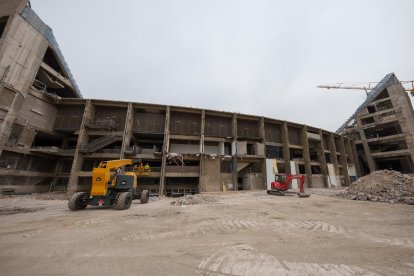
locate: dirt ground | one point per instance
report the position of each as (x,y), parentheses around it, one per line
(244,233)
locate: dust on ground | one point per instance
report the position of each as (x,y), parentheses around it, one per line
(384,186)
(57,195)
(242,233)
(16,210)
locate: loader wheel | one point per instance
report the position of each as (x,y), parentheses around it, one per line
(77,202)
(144,196)
(123,201)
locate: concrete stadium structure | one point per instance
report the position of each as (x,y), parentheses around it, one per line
(51,138)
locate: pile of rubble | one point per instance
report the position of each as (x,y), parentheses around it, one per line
(193,199)
(385,186)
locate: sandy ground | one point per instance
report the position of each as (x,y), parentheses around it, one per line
(245,233)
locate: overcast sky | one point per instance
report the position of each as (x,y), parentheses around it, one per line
(255,57)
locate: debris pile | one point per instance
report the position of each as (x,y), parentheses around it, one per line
(385,186)
(193,199)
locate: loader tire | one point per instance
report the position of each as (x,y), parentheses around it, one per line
(144,196)
(77,202)
(123,201)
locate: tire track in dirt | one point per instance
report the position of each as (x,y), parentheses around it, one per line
(312,225)
(213,226)
(245,260)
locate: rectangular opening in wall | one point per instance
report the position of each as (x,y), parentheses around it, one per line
(294,135)
(109,118)
(217,126)
(182,123)
(383,130)
(179,186)
(149,121)
(250,149)
(247,129)
(273,133)
(316,169)
(328,158)
(3,23)
(281,168)
(302,169)
(296,154)
(181,146)
(274,152)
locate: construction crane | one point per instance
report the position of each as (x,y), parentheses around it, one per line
(367,86)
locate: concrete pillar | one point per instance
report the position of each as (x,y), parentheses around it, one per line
(129,121)
(203,123)
(306,155)
(332,149)
(262,136)
(322,159)
(165,150)
(234,134)
(11,116)
(88,115)
(286,151)
(367,151)
(356,160)
(202,176)
(343,161)
(349,148)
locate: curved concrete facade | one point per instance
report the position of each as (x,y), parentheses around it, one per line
(51,139)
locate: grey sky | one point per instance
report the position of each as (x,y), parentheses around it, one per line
(256,57)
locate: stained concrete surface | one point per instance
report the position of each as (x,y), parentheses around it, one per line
(244,233)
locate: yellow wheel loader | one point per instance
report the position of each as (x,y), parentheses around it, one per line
(114,184)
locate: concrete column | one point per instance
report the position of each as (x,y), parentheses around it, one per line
(349,145)
(165,150)
(322,159)
(262,136)
(286,151)
(201,178)
(356,160)
(88,115)
(129,121)
(262,130)
(343,161)
(306,155)
(367,151)
(332,149)
(203,123)
(11,116)
(234,134)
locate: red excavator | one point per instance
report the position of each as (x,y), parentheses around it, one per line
(281,184)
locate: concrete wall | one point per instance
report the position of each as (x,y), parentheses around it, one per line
(210,178)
